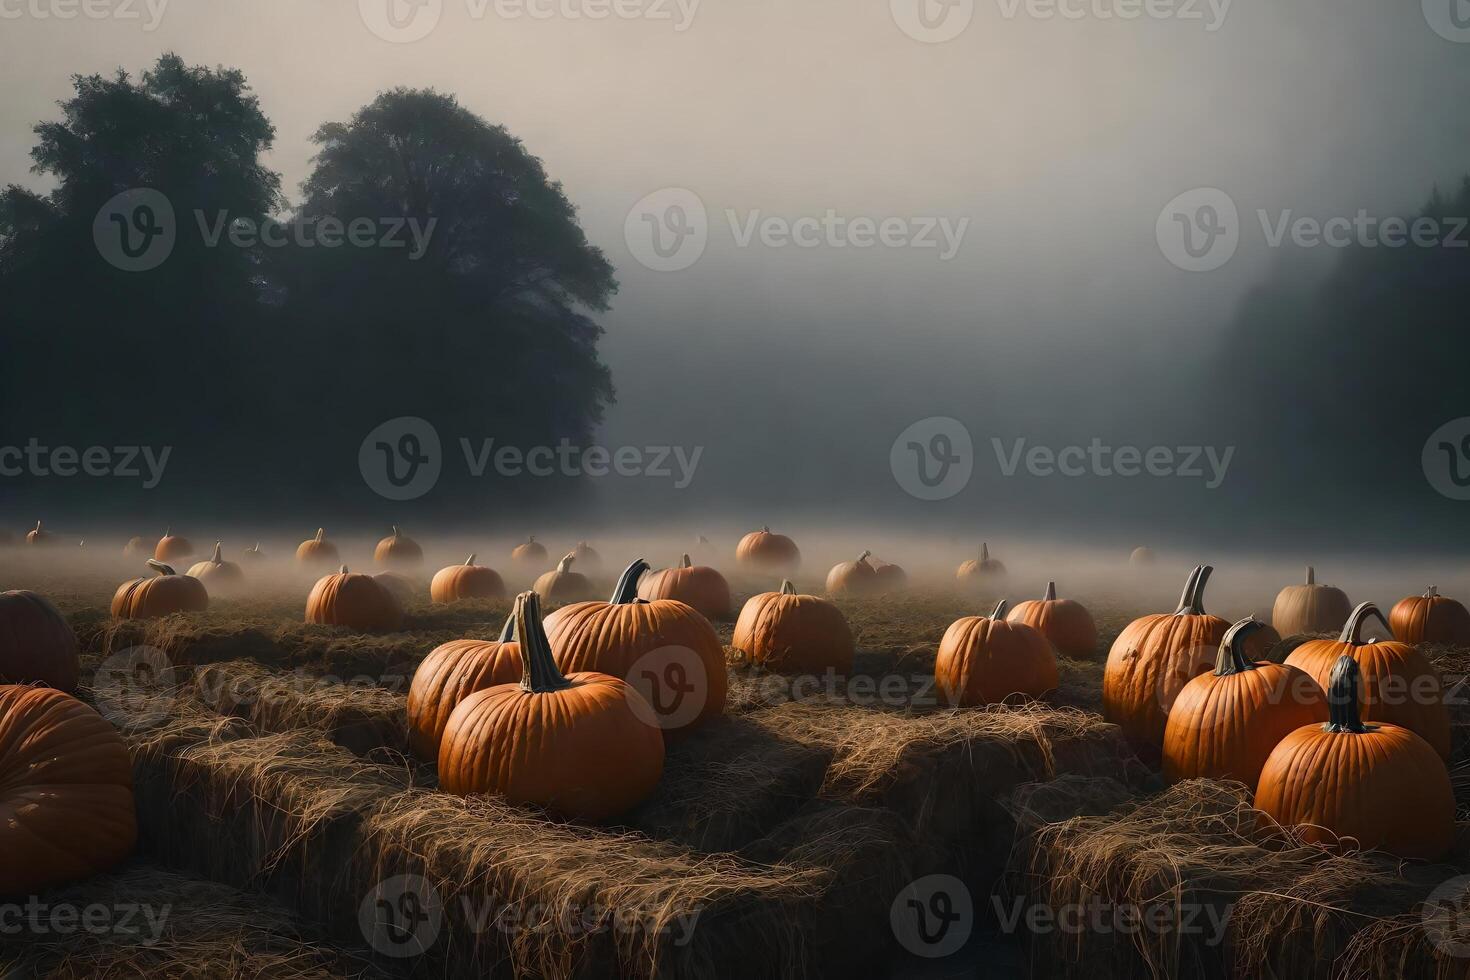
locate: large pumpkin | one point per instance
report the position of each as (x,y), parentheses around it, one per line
(1155,656)
(1430,618)
(697,585)
(1225,723)
(66,791)
(530,554)
(1310,608)
(39,536)
(37,646)
(399,550)
(561,584)
(1399,684)
(986,659)
(359,602)
(219,576)
(172,546)
(163,595)
(1377,783)
(1065,622)
(853,577)
(317,551)
(765,550)
(467,581)
(981,572)
(664,648)
(794,634)
(450,673)
(582,745)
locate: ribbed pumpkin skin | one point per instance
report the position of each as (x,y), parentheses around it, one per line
(1225,727)
(359,602)
(1388,788)
(37,645)
(1430,619)
(398,550)
(1310,609)
(171,546)
(466,582)
(161,595)
(794,634)
(1399,685)
(450,673)
(698,585)
(983,661)
(66,791)
(314,552)
(1065,622)
(765,549)
(581,752)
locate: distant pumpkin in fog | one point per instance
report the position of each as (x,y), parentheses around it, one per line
(467,581)
(398,549)
(587,558)
(561,584)
(172,546)
(981,572)
(402,587)
(697,585)
(529,554)
(317,551)
(891,578)
(1141,556)
(163,595)
(1310,608)
(137,547)
(39,537)
(218,575)
(853,577)
(765,550)
(254,554)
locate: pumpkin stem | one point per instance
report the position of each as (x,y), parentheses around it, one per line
(1000,610)
(565,565)
(342,570)
(256,549)
(471,559)
(1355,620)
(702,540)
(160,567)
(395,532)
(538,668)
(1196,602)
(321,535)
(1343,716)
(168,531)
(863,558)
(684,562)
(787,588)
(1051,592)
(626,590)
(1184,596)
(1432,592)
(530,539)
(38,527)
(508,631)
(216,560)
(1231,658)
(984,551)
(1311,575)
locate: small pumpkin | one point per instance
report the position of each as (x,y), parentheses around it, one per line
(37,645)
(398,549)
(986,659)
(1141,557)
(317,550)
(402,587)
(581,745)
(982,571)
(467,581)
(1375,782)
(450,673)
(1225,723)
(1155,656)
(163,595)
(66,791)
(853,577)
(1399,684)
(39,536)
(794,634)
(529,554)
(664,647)
(359,602)
(891,578)
(1430,618)
(561,584)
(1064,622)
(1310,608)
(587,558)
(137,547)
(765,550)
(254,554)
(220,576)
(697,585)
(172,546)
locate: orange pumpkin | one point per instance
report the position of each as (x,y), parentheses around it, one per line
(561,584)
(1377,783)
(172,546)
(1310,608)
(40,537)
(467,581)
(582,745)
(987,659)
(219,576)
(1225,723)
(398,549)
(697,585)
(1155,656)
(531,554)
(1430,618)
(764,550)
(163,595)
(1399,684)
(853,577)
(665,648)
(891,578)
(1065,622)
(450,673)
(981,572)
(359,602)
(37,646)
(587,557)
(317,551)
(794,634)
(66,791)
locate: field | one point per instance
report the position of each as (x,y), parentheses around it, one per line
(840,826)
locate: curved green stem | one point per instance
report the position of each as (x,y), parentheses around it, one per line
(538,671)
(626,590)
(1354,625)
(1231,658)
(1342,699)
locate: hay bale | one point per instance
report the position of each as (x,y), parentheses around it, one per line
(167,926)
